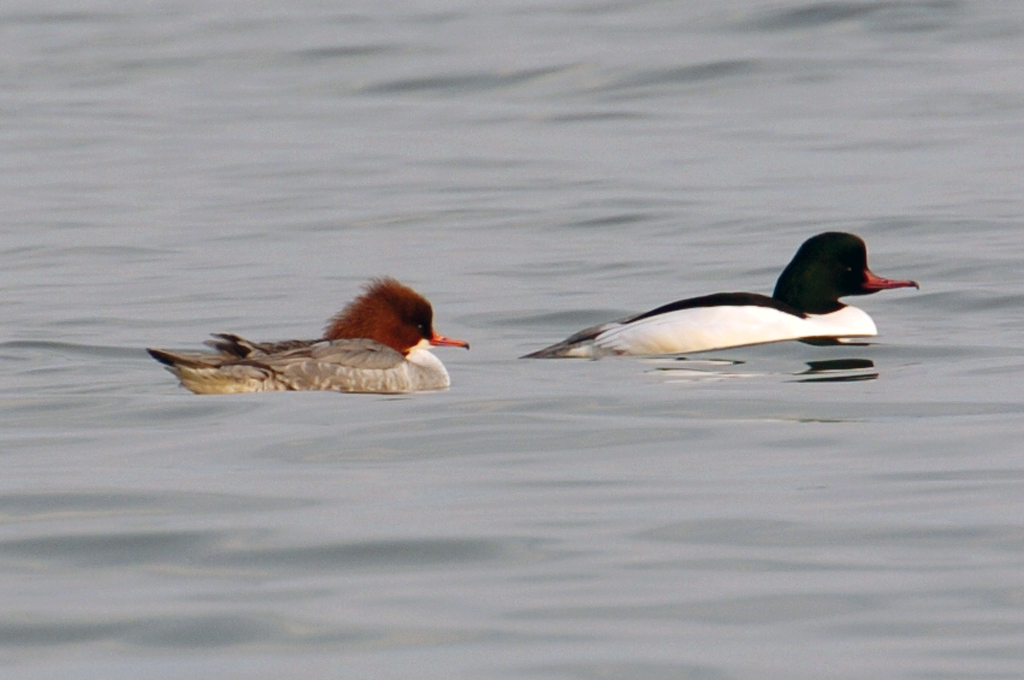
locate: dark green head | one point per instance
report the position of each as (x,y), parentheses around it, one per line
(827,267)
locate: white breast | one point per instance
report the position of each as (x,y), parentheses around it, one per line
(705,328)
(426,372)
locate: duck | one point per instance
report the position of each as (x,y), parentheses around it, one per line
(379,343)
(804,306)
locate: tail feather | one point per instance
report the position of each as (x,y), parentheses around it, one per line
(216,373)
(173,360)
(555,351)
(166,358)
(579,345)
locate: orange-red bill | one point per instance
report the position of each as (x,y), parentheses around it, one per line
(873,282)
(440,340)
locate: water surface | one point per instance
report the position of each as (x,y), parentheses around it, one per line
(783,511)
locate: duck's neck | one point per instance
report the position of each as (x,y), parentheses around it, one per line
(802,288)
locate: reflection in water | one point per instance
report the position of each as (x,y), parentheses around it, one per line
(832,342)
(843,366)
(698,370)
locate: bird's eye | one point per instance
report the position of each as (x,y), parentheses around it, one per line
(423,330)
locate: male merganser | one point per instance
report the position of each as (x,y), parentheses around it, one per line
(805,306)
(378,343)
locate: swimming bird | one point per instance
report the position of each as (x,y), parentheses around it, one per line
(378,343)
(805,306)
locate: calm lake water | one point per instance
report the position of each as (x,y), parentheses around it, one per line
(783,512)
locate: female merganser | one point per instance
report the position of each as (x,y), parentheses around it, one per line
(378,343)
(805,306)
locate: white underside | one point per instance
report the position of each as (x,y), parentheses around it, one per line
(707,328)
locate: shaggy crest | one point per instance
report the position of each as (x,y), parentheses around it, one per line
(388,312)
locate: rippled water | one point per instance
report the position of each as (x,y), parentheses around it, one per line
(783,511)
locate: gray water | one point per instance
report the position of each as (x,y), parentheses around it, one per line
(778,512)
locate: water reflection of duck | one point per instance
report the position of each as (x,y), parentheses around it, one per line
(838,370)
